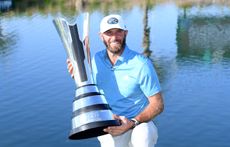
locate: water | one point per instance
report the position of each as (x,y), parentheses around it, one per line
(190,49)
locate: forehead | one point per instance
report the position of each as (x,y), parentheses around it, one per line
(114,30)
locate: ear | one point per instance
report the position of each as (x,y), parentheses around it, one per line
(126,32)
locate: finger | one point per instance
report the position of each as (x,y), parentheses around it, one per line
(122,118)
(106,130)
(116,116)
(72,76)
(69,64)
(110,129)
(119,117)
(68,60)
(115,132)
(70,68)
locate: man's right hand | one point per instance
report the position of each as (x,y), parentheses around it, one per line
(70,67)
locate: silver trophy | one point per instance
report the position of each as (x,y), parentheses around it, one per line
(91,112)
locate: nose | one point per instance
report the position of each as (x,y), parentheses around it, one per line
(114,37)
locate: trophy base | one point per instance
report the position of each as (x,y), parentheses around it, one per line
(92,129)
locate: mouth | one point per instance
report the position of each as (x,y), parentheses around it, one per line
(115,43)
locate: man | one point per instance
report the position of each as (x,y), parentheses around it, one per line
(130,84)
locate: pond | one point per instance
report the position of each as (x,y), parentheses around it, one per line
(188,43)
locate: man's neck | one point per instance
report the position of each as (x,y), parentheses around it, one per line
(114,56)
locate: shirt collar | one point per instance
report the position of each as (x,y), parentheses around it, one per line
(124,55)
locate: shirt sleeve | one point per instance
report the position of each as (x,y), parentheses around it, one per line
(148,79)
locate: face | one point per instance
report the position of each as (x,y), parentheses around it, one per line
(114,40)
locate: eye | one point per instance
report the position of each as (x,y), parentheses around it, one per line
(108,33)
(119,31)
(114,32)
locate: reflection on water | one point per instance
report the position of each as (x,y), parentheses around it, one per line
(188,41)
(7,39)
(146,36)
(5,5)
(204,36)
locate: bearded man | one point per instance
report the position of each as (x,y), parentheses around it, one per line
(130,85)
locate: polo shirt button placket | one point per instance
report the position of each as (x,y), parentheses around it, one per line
(113,68)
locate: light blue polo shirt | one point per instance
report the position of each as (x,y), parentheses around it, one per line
(128,83)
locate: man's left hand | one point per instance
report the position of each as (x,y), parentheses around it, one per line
(126,124)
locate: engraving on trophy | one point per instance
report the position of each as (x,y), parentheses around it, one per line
(93,116)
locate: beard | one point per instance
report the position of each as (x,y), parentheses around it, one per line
(116,46)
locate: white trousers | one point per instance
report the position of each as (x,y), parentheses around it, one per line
(143,135)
